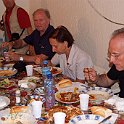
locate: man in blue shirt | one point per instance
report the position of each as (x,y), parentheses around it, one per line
(39,39)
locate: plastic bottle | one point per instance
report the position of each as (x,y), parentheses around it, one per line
(45,63)
(49,91)
(45,69)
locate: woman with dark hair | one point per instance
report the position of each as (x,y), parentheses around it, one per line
(71,58)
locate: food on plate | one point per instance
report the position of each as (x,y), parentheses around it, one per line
(98,95)
(65,83)
(54,70)
(19,118)
(6,83)
(17,109)
(6,73)
(68,96)
(102,111)
(69,111)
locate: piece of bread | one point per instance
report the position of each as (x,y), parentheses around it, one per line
(102,111)
(65,83)
(17,109)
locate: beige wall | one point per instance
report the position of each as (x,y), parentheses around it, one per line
(91,31)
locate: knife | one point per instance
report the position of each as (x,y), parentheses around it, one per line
(105,119)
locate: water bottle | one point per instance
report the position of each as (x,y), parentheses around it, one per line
(45,69)
(49,91)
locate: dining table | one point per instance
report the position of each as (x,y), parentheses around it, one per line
(10,92)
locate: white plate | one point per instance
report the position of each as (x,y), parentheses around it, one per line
(87,119)
(26,84)
(59,70)
(59,100)
(9,65)
(100,93)
(79,85)
(24,118)
(31,78)
(4,101)
(8,68)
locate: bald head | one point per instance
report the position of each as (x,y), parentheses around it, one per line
(116,49)
(41,10)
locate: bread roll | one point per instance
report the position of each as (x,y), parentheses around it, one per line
(17,109)
(102,111)
(65,83)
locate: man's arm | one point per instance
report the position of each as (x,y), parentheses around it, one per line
(104,81)
(18,44)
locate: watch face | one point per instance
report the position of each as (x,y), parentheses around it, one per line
(21,58)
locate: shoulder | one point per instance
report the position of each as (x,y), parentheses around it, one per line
(21,11)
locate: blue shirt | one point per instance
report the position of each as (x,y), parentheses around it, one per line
(41,43)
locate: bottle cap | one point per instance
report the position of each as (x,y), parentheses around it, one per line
(45,62)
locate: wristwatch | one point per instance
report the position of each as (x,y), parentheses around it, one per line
(21,58)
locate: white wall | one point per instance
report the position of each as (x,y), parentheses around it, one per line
(90,30)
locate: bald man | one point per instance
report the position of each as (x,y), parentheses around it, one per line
(39,38)
(15,20)
(116,57)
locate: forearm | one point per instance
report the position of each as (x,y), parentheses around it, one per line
(103,80)
(18,44)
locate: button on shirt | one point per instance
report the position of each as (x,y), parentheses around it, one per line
(77,61)
(41,43)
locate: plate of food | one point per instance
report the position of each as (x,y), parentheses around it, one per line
(6,83)
(99,94)
(88,119)
(67,97)
(54,70)
(7,72)
(26,84)
(70,112)
(4,101)
(33,79)
(68,84)
(18,118)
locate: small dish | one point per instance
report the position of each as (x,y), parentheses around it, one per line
(26,84)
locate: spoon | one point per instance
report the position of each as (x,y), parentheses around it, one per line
(105,119)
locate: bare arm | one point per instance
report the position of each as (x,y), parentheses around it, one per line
(29,29)
(18,44)
(104,81)
(101,80)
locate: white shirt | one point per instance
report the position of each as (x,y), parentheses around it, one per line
(74,66)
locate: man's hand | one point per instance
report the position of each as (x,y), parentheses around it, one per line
(90,74)
(8,45)
(13,56)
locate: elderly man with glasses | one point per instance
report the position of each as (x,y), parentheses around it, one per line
(116,57)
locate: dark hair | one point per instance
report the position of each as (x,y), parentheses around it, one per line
(62,34)
(46,11)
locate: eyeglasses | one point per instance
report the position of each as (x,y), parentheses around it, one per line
(114,55)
